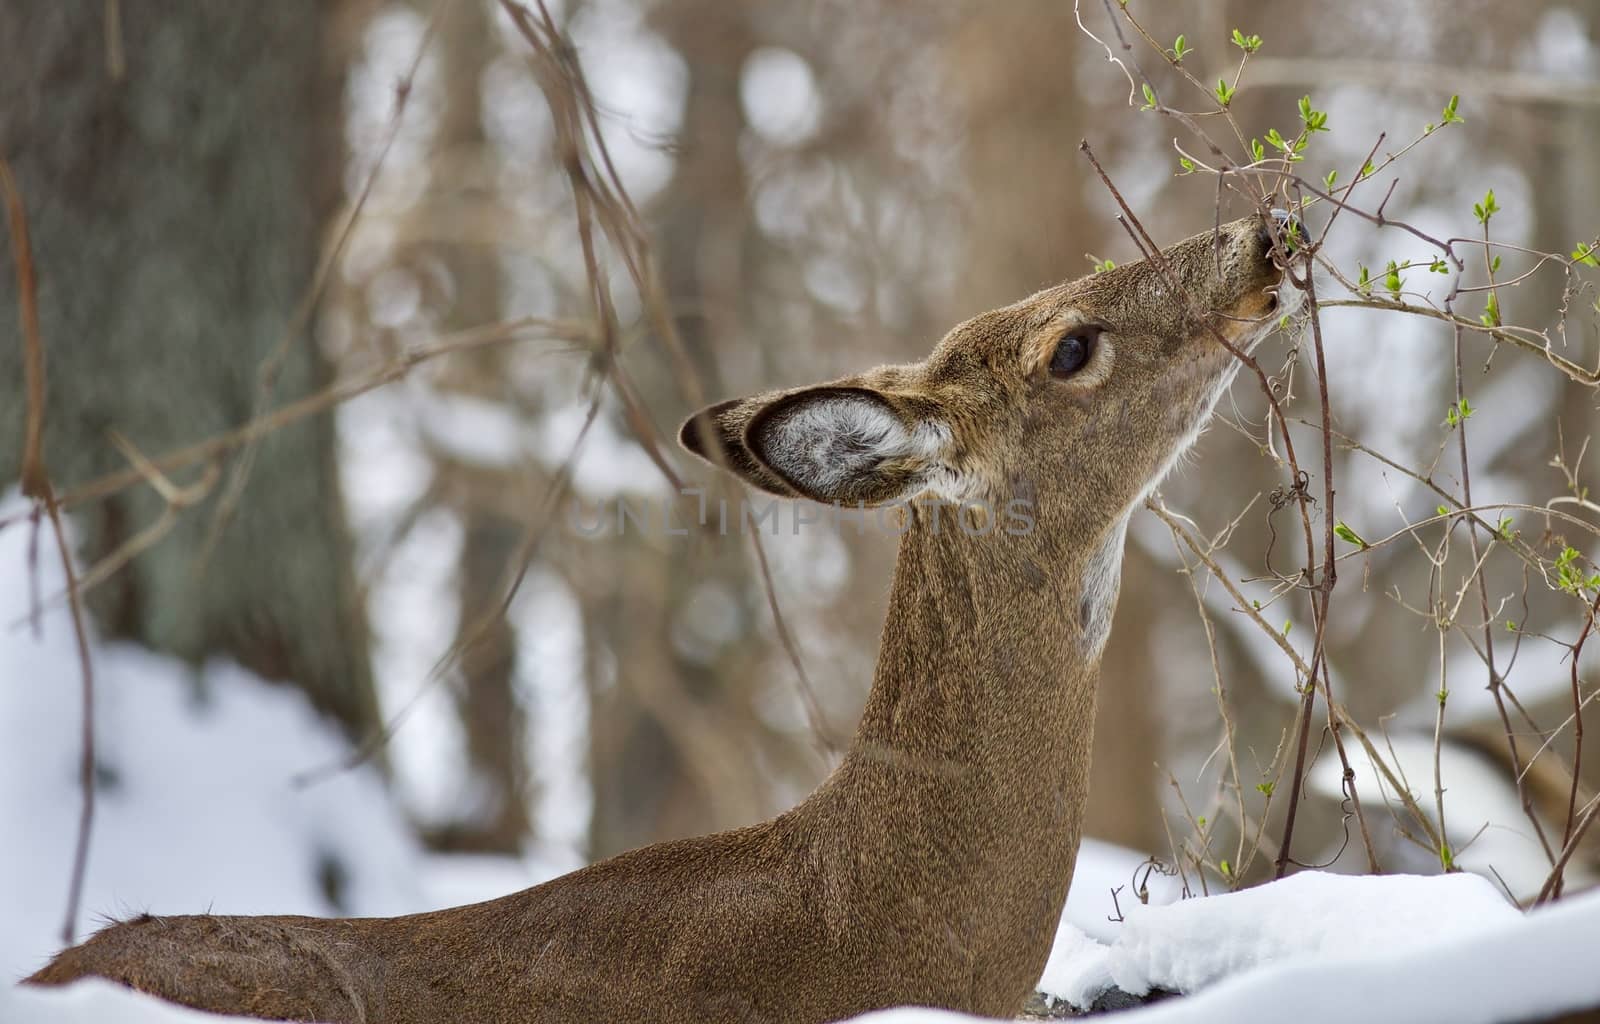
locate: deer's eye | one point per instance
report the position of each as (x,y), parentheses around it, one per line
(1073,352)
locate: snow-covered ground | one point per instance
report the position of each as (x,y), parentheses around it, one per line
(1190,945)
(196,804)
(197,811)
(1332,948)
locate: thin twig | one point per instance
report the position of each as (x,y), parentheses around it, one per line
(36,485)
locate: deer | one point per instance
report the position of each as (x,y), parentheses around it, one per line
(931,866)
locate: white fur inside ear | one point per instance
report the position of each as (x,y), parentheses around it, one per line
(825,443)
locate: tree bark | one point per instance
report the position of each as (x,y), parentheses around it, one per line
(178,163)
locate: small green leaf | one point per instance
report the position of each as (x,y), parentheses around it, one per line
(1442,510)
(1363,279)
(1450,115)
(1490,317)
(1348,535)
(1314,120)
(1486,209)
(1257,149)
(1439,266)
(1511,627)
(1224,93)
(1187,164)
(1149,98)
(1264,788)
(1249,44)
(1392,280)
(1585,254)
(1332,177)
(1225,868)
(1287,625)
(1180,48)
(1100,265)
(1568,578)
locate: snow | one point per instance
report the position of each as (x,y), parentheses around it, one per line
(1186,946)
(1078,969)
(1511,968)
(94,1002)
(197,805)
(1102,867)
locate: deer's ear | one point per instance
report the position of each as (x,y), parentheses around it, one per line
(716,434)
(846,444)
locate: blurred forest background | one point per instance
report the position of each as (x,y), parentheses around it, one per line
(233,206)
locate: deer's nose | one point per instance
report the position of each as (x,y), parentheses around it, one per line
(1288,231)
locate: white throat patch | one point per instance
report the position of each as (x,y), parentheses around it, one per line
(1102,576)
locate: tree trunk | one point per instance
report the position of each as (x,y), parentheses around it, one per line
(493,719)
(673,740)
(178,163)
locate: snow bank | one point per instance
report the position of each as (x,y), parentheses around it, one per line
(95,1002)
(1101,867)
(1189,945)
(1513,968)
(1328,949)
(196,808)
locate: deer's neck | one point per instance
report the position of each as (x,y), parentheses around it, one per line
(963,791)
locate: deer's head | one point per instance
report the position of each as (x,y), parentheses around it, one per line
(1077,399)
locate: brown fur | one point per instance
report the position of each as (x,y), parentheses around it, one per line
(931,867)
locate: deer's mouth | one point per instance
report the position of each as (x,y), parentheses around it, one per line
(1267,292)
(1285,298)
(1253,319)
